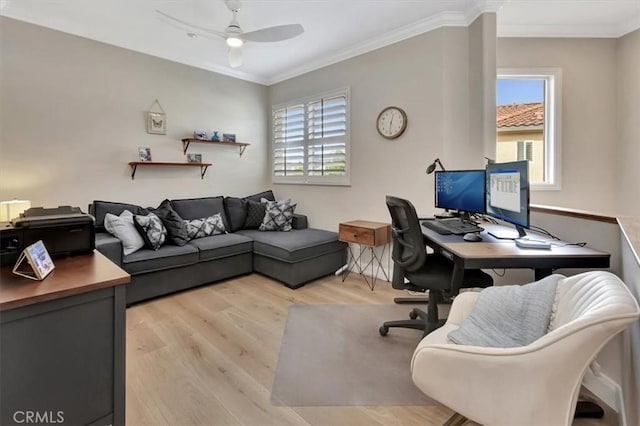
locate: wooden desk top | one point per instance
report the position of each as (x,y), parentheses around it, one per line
(72,275)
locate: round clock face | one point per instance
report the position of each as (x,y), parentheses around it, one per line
(392,122)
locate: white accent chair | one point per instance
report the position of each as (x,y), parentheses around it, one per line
(537,384)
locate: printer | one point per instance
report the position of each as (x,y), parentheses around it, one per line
(64,230)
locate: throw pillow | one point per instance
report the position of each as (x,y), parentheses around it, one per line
(278,216)
(152,230)
(255,214)
(122,228)
(175,225)
(205,227)
(236,209)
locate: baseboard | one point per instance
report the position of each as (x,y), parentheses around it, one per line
(608,391)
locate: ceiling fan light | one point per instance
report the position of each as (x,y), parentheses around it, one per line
(234,42)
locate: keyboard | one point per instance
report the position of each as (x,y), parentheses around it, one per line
(451,226)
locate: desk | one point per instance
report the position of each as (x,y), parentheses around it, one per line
(62,343)
(493,253)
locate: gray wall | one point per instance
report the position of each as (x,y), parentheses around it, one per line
(628,123)
(589,134)
(429,77)
(72,116)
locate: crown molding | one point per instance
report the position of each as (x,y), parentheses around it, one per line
(568,31)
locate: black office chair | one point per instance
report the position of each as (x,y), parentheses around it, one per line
(424,271)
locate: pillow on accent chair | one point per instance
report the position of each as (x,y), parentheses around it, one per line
(278,215)
(152,230)
(175,225)
(122,228)
(205,227)
(255,214)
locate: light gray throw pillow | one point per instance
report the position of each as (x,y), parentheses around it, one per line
(509,316)
(122,228)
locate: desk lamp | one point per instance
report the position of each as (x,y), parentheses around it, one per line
(432,166)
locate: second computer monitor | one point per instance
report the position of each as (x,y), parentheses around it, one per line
(508,192)
(461,190)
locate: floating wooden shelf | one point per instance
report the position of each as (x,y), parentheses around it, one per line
(134,165)
(187,141)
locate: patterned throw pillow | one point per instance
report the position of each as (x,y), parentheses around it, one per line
(278,216)
(255,214)
(152,230)
(205,227)
(174,224)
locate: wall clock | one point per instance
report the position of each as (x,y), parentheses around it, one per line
(392,122)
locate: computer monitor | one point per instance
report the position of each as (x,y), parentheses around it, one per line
(461,190)
(508,194)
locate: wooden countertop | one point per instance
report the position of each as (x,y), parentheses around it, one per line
(72,275)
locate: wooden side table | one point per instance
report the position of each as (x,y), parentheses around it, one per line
(368,235)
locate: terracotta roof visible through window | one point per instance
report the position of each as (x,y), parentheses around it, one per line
(520,115)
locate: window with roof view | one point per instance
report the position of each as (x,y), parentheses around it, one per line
(310,143)
(527,128)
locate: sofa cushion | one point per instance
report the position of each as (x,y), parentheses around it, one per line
(123,228)
(294,246)
(100,208)
(152,230)
(236,209)
(175,225)
(166,257)
(255,214)
(278,215)
(265,194)
(197,208)
(222,245)
(205,227)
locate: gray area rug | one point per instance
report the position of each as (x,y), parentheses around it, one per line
(333,355)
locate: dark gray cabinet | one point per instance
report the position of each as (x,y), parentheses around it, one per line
(62,356)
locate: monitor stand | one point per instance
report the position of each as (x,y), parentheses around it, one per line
(510,235)
(446,214)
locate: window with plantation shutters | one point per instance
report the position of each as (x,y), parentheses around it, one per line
(311,140)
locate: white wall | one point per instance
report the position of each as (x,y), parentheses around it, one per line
(589,127)
(72,116)
(628,123)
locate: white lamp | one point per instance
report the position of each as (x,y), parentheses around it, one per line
(11,209)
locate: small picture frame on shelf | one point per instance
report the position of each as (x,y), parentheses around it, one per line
(199,134)
(156,123)
(229,137)
(194,158)
(144,154)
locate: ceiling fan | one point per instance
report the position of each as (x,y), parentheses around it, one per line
(234,35)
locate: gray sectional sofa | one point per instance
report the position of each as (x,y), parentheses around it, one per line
(294,257)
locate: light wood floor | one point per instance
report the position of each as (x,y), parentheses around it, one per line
(208,357)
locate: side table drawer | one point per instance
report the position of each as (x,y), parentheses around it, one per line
(356,234)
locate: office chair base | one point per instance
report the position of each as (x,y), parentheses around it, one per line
(418,321)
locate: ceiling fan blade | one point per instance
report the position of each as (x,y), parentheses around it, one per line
(270,34)
(235,56)
(190,26)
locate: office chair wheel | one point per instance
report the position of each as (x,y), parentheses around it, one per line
(413,315)
(384,330)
